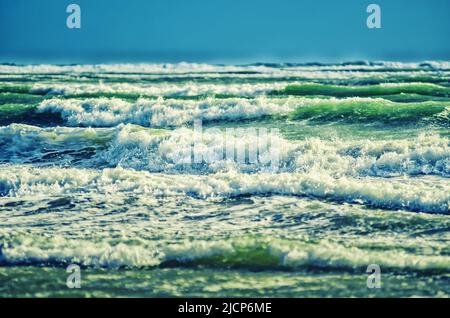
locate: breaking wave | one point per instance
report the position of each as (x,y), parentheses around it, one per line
(395,193)
(164,89)
(250,253)
(159,150)
(162,112)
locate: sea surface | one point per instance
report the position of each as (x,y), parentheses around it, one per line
(89,176)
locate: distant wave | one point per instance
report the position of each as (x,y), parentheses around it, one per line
(193,67)
(185,89)
(371,90)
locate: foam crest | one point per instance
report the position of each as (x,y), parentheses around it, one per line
(184,67)
(415,194)
(195,151)
(163,112)
(24,143)
(246,252)
(137,149)
(425,154)
(164,89)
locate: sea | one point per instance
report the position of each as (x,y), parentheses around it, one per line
(354,202)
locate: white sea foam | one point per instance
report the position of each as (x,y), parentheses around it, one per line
(426,154)
(159,152)
(164,112)
(130,68)
(117,196)
(159,89)
(21,143)
(417,194)
(168,152)
(155,150)
(272,253)
(209,68)
(108,112)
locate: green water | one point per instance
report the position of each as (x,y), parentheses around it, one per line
(89,175)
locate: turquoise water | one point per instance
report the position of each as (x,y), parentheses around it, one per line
(89,176)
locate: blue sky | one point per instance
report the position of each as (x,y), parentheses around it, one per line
(223,31)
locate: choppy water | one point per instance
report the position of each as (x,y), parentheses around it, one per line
(88,175)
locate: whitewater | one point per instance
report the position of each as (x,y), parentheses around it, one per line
(89,175)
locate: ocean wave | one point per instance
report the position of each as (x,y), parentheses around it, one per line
(371,109)
(109,112)
(253,253)
(422,194)
(161,112)
(357,171)
(426,154)
(23,82)
(21,143)
(427,89)
(209,68)
(135,148)
(163,68)
(395,91)
(157,89)
(160,150)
